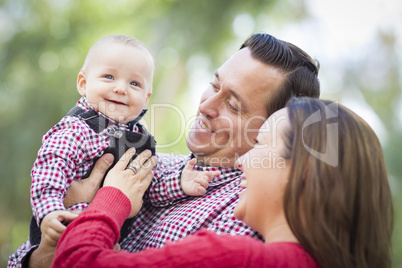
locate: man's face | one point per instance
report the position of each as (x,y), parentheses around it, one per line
(232,109)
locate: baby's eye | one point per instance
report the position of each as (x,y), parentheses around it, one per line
(108,76)
(134,84)
(255,141)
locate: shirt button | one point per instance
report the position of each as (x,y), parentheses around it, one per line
(118,134)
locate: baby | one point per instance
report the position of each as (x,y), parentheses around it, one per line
(115,83)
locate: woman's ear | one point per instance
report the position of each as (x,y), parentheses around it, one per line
(82,83)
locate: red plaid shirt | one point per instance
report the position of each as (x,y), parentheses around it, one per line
(67,153)
(168,214)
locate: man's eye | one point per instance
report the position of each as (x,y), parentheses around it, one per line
(255,141)
(134,84)
(108,76)
(233,108)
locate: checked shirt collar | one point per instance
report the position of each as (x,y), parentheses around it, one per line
(84,104)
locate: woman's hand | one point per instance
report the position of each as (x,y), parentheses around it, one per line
(85,190)
(132,178)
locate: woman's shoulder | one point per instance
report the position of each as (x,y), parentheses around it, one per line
(288,254)
(256,253)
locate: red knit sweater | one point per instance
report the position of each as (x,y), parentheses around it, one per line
(89,240)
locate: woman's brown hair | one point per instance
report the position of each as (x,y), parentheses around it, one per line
(340,209)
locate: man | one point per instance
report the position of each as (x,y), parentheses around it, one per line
(253,83)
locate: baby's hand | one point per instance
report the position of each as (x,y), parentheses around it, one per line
(52,225)
(194,182)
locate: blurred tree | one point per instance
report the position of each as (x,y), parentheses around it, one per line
(381,86)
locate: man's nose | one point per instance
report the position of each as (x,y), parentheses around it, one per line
(210,104)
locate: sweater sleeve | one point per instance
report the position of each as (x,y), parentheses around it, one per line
(88,242)
(94,231)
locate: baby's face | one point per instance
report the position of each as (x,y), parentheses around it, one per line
(117,81)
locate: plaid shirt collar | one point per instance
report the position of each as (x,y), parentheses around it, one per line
(84,104)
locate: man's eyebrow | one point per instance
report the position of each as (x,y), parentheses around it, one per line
(235,95)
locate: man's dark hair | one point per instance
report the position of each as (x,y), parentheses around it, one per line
(299,69)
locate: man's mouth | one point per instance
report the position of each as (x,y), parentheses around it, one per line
(203,126)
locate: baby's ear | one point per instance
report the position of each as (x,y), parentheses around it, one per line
(82,83)
(147,98)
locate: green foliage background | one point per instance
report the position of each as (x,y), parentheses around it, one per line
(43,45)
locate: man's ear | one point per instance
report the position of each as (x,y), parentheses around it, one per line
(82,84)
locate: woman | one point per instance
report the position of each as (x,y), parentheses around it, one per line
(316,204)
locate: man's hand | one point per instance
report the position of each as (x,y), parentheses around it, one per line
(195,183)
(85,190)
